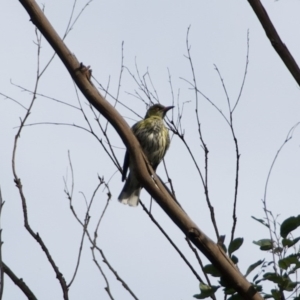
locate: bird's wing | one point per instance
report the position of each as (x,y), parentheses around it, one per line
(135,129)
(125,165)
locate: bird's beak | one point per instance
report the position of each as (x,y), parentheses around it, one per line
(167,108)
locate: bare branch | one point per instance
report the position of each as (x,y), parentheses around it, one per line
(42,95)
(245,74)
(116,275)
(1,243)
(275,39)
(171,242)
(224,88)
(86,221)
(84,129)
(67,31)
(237,170)
(107,288)
(12,99)
(19,282)
(201,264)
(18,183)
(264,200)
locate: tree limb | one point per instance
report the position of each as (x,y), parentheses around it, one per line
(19,282)
(275,39)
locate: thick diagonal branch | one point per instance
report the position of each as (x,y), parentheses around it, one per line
(156,190)
(275,39)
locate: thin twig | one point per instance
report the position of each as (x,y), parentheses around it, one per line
(245,73)
(200,263)
(12,99)
(18,183)
(230,123)
(95,246)
(237,170)
(1,243)
(264,200)
(107,288)
(43,96)
(68,29)
(79,252)
(211,208)
(93,241)
(117,275)
(119,84)
(102,88)
(82,128)
(86,221)
(172,243)
(169,179)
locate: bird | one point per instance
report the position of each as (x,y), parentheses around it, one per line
(154,139)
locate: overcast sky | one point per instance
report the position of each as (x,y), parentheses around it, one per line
(154,35)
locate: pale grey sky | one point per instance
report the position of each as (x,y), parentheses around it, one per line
(154,34)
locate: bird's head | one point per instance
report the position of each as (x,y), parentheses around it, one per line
(157,110)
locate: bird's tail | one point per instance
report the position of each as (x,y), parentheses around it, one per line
(131,192)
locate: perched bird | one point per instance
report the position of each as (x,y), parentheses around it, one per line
(154,139)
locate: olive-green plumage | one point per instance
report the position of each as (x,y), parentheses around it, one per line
(154,138)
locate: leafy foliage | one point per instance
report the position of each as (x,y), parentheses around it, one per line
(281,270)
(206,291)
(289,225)
(284,264)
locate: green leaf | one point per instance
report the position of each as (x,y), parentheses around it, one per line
(288,284)
(276,294)
(291,286)
(294,268)
(286,262)
(289,225)
(253,266)
(273,277)
(265,244)
(261,221)
(258,287)
(229,291)
(289,243)
(235,297)
(277,250)
(234,259)
(210,269)
(206,291)
(225,283)
(235,245)
(283,282)
(224,248)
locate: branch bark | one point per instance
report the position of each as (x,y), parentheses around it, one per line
(210,249)
(275,39)
(19,282)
